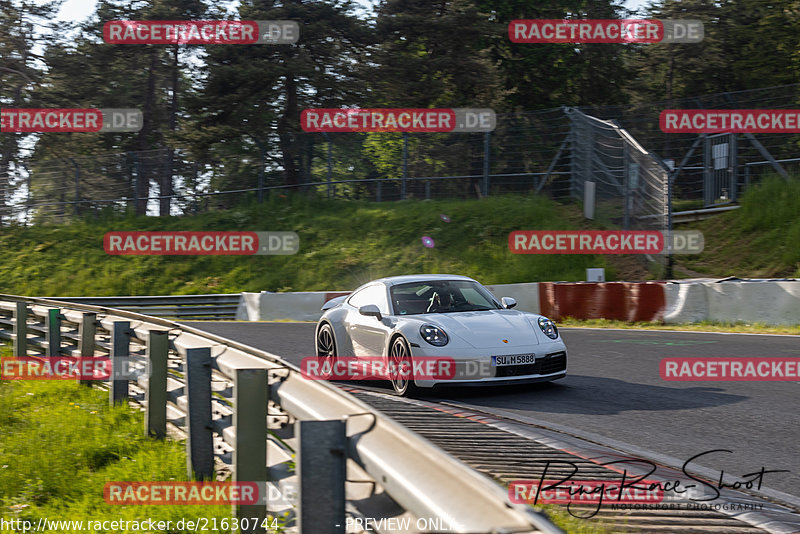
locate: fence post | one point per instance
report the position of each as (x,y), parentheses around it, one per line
(263,152)
(250,450)
(21,330)
(199,435)
(708,187)
(321,469)
(155,420)
(734,165)
(626,217)
(486,140)
(120,348)
(86,333)
(405,167)
(77,186)
(330,162)
(53,332)
(746,177)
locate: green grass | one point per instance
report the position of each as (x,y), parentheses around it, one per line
(346,243)
(760,239)
(575,525)
(342,244)
(703,326)
(60,443)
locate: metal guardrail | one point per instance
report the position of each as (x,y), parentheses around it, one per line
(185,307)
(245,411)
(694,215)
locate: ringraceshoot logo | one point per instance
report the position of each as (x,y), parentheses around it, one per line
(605,31)
(398,120)
(41,120)
(201,243)
(201,32)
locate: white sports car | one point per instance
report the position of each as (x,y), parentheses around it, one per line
(403,319)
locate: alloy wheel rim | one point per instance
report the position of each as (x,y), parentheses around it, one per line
(325,348)
(398,357)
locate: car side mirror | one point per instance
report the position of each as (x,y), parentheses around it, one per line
(508,302)
(370,310)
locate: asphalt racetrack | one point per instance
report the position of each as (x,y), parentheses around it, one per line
(613,394)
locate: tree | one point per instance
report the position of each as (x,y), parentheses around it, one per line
(252,95)
(20,71)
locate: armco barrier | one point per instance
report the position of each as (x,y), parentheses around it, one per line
(248,409)
(624,301)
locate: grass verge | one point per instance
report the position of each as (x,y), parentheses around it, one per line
(761,239)
(342,245)
(61,442)
(704,326)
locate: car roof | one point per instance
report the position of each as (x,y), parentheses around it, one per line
(394,280)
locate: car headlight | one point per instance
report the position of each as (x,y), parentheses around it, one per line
(433,335)
(548,327)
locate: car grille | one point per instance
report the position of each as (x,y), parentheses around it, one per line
(552,363)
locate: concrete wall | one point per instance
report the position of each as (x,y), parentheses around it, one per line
(771,302)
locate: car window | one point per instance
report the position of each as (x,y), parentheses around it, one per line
(440,296)
(374,294)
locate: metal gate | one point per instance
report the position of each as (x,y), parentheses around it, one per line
(719,175)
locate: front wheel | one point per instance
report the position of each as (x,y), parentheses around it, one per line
(401,370)
(326,351)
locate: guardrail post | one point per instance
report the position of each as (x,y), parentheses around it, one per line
(120,348)
(155,420)
(321,469)
(21,330)
(199,436)
(86,333)
(53,332)
(250,450)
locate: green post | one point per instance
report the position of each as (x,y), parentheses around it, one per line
(155,421)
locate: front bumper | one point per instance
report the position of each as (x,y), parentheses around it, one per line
(475,367)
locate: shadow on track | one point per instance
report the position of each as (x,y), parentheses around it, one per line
(590,395)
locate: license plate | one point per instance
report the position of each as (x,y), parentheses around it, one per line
(513,359)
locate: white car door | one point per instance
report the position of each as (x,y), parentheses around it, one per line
(367,333)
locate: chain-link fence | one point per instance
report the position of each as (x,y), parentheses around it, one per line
(555,151)
(713,169)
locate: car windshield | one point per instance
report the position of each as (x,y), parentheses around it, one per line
(441,296)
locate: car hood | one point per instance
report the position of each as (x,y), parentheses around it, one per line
(488,329)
